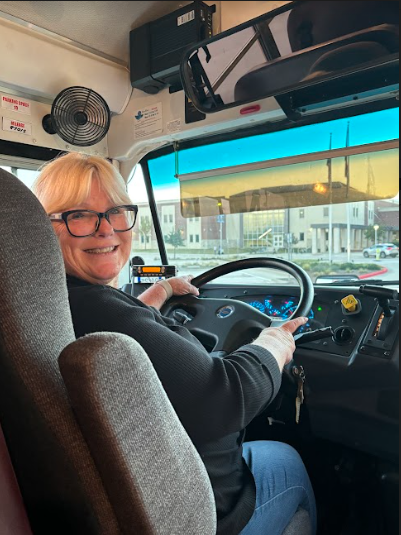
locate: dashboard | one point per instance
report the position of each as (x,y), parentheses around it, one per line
(327,311)
(352,390)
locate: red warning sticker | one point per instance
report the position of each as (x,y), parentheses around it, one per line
(16,104)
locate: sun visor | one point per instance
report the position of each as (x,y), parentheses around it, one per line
(333,177)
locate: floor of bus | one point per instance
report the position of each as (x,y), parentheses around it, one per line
(351,499)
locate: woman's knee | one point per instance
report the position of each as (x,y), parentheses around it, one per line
(258,451)
(274,459)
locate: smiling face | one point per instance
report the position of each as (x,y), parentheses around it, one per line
(97,259)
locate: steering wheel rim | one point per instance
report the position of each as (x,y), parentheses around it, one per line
(244,320)
(299,274)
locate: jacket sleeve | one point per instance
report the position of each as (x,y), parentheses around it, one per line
(212,396)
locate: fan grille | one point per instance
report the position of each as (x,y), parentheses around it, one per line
(80,116)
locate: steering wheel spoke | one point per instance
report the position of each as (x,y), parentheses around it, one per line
(275,322)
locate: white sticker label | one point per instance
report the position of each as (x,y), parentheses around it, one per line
(16,104)
(18,127)
(174,126)
(148,121)
(187,17)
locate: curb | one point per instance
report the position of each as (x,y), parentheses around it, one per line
(373,274)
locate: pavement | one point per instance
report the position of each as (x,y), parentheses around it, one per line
(260,276)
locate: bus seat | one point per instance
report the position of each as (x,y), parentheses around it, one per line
(313,23)
(64,485)
(136,408)
(300,524)
(13,519)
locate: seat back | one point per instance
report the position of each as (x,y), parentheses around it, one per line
(60,482)
(131,423)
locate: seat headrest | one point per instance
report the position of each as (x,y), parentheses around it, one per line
(312,23)
(346,56)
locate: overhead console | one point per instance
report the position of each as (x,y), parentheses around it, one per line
(156,47)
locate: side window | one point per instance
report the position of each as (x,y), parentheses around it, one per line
(27,176)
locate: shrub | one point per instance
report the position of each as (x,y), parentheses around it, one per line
(347,265)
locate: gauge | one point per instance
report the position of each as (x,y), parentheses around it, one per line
(287,308)
(283,308)
(271,307)
(260,306)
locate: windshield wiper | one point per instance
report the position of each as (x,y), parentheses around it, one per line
(376,282)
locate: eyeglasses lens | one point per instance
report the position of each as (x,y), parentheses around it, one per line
(84,223)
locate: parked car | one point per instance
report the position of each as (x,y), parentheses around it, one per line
(386,249)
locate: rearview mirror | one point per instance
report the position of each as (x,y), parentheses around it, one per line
(309,55)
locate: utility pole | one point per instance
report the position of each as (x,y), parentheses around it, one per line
(376,227)
(348,177)
(330,179)
(220,220)
(289,235)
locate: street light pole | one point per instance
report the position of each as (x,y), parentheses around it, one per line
(376,227)
(289,236)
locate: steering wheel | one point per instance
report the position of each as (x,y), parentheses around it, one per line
(227,324)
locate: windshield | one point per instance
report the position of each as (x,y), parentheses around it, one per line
(354,240)
(346,241)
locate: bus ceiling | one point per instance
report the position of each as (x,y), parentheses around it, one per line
(50,47)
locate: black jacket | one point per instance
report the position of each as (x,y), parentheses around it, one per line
(215,398)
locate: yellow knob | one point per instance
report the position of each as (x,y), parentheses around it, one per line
(350,303)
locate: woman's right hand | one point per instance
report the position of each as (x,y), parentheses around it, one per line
(280,341)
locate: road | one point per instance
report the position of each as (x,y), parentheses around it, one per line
(267,276)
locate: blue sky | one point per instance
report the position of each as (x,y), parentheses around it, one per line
(364,129)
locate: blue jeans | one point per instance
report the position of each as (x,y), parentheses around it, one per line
(282,486)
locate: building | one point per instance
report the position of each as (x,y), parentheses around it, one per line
(387,216)
(313,225)
(306,228)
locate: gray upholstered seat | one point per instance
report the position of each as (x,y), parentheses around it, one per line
(65,486)
(122,464)
(124,411)
(299,525)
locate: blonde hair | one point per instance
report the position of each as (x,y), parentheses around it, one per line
(66,182)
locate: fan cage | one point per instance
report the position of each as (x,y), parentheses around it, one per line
(80,116)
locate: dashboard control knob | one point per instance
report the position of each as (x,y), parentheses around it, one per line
(350,303)
(343,335)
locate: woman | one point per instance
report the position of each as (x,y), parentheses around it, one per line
(258,486)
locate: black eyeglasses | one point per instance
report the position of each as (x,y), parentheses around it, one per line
(84,223)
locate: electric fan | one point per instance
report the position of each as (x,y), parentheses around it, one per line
(79,115)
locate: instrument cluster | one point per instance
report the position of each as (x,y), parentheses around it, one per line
(282,307)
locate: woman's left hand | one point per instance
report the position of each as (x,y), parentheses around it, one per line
(183,286)
(156,295)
